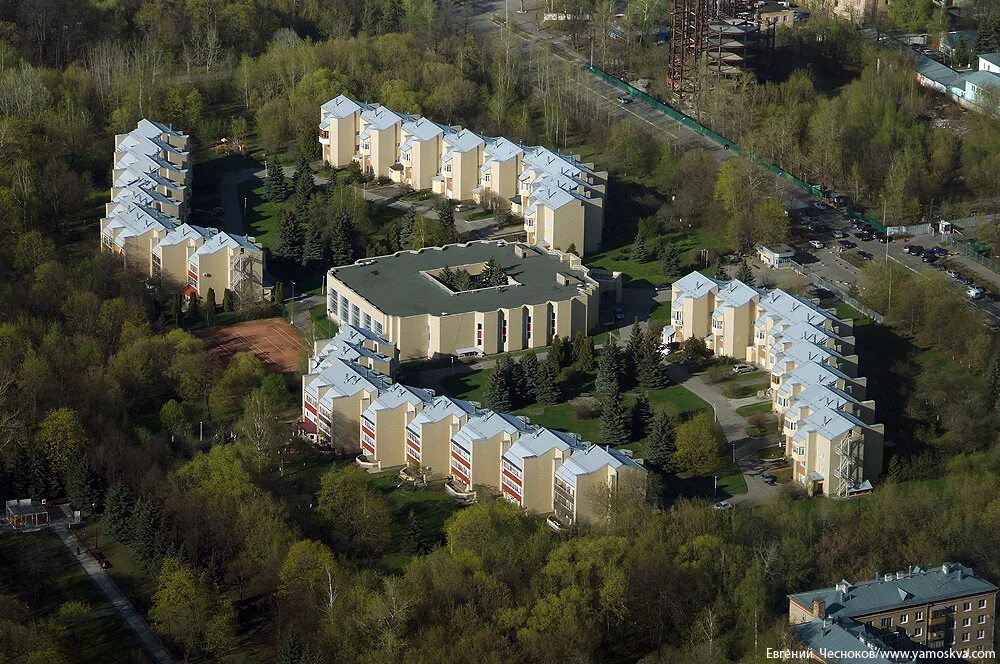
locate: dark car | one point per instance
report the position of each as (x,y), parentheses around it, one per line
(864,255)
(846,244)
(823,294)
(769,479)
(929,258)
(883,238)
(913,249)
(940,252)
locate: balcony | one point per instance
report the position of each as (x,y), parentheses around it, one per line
(462,495)
(557,524)
(368,462)
(324,138)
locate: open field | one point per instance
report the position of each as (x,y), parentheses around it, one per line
(276,344)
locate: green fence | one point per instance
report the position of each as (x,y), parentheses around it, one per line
(716,137)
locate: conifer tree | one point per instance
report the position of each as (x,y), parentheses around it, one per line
(745,274)
(227,300)
(210,306)
(642,416)
(660,446)
(639,251)
(583,353)
(193,309)
(670,261)
(289,245)
(609,366)
(341,243)
(447,277)
(615,427)
(275,186)
(546,388)
(313,249)
(497,396)
(649,364)
(529,369)
(493,274)
(303,181)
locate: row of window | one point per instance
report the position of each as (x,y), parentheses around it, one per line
(503,329)
(919,615)
(510,485)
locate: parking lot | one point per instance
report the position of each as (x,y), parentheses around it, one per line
(830,246)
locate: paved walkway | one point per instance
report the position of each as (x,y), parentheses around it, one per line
(149,641)
(733,426)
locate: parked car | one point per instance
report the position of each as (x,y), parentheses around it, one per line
(952,273)
(839,234)
(619,314)
(743,368)
(723,505)
(863,234)
(965,281)
(865,256)
(769,479)
(937,267)
(913,249)
(883,238)
(846,244)
(929,258)
(974,292)
(662,286)
(625,100)
(820,205)
(816,244)
(940,252)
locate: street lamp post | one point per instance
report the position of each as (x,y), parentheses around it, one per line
(291,309)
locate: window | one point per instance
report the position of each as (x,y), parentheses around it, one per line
(344,315)
(982,604)
(965,636)
(903,619)
(678,317)
(378,328)
(355,315)
(527,326)
(886,622)
(980,634)
(503,331)
(552,324)
(479,334)
(368,322)
(486,178)
(981,620)
(967,606)
(918,616)
(918,631)
(966,622)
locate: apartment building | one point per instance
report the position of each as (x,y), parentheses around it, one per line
(429,433)
(357,345)
(831,437)
(146,220)
(476,449)
(560,198)
(527,468)
(943,608)
(391,413)
(433,437)
(582,479)
(546,294)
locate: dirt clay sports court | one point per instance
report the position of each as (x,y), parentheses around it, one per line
(276,343)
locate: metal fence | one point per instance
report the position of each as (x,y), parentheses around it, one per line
(968,249)
(844,296)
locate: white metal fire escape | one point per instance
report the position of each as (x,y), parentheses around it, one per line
(849,469)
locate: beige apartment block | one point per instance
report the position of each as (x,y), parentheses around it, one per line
(478,446)
(173,254)
(923,612)
(333,399)
(360,346)
(546,294)
(227,261)
(527,468)
(383,423)
(560,198)
(584,480)
(429,434)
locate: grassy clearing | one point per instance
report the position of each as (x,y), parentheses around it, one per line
(126,569)
(260,216)
(772,452)
(743,390)
(637,275)
(40,573)
(325,328)
(754,409)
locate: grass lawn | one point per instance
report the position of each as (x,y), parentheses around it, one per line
(260,216)
(467,385)
(742,391)
(638,275)
(754,409)
(430,506)
(772,452)
(126,569)
(733,484)
(325,328)
(42,574)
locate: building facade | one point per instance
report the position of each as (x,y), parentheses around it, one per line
(942,608)
(546,294)
(146,221)
(831,436)
(560,198)
(348,404)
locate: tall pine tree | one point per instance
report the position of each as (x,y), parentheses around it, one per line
(313,249)
(639,251)
(660,446)
(275,186)
(670,261)
(745,274)
(493,274)
(615,424)
(609,366)
(498,388)
(341,241)
(649,364)
(583,353)
(546,385)
(529,369)
(289,245)
(642,416)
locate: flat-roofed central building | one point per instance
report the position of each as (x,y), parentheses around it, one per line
(406,297)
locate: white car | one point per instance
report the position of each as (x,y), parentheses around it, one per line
(723,505)
(816,244)
(743,368)
(974,292)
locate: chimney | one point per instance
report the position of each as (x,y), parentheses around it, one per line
(819,608)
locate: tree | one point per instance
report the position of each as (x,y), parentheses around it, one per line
(260,428)
(193,312)
(561,351)
(289,245)
(118,506)
(609,367)
(227,300)
(210,306)
(357,515)
(529,369)
(278,294)
(745,274)
(545,387)
(498,387)
(660,446)
(190,613)
(62,439)
(341,243)
(615,429)
(493,274)
(314,249)
(177,308)
(275,186)
(302,181)
(413,542)
(85,485)
(173,419)
(583,353)
(649,364)
(639,251)
(642,416)
(670,261)
(446,221)
(720,272)
(699,443)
